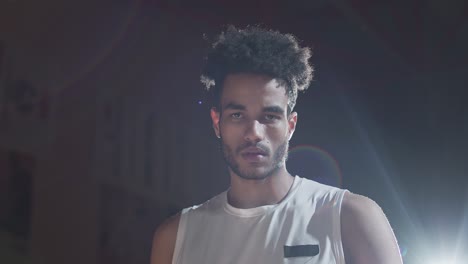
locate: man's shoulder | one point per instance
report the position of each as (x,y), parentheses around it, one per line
(314,195)
(170,224)
(359,208)
(165,236)
(366,233)
(164,240)
(320,189)
(214,203)
(311,182)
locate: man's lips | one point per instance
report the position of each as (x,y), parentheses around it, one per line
(254,154)
(254,151)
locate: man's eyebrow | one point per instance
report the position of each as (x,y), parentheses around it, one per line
(270,109)
(234,106)
(273,109)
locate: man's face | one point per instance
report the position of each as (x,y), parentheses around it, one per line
(253,125)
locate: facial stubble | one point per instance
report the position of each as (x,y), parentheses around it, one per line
(279,159)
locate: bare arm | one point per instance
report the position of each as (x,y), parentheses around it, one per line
(164,241)
(366,233)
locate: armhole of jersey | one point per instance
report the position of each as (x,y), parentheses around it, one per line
(180,236)
(338,245)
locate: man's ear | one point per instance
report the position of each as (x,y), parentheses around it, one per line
(292,121)
(215,119)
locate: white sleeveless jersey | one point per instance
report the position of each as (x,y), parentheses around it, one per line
(303,228)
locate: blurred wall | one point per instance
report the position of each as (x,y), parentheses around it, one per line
(113,155)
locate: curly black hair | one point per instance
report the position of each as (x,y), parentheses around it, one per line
(258,51)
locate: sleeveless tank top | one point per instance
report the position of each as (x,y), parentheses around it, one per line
(303,228)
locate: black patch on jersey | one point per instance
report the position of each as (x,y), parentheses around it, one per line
(301,251)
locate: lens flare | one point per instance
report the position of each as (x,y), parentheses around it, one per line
(315,163)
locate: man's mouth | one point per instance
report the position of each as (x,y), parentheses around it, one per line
(254,151)
(253,154)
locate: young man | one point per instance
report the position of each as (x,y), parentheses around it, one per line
(268,215)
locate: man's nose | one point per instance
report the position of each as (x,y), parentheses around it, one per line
(254,132)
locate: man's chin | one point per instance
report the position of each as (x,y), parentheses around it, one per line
(252,170)
(251,177)
(259,173)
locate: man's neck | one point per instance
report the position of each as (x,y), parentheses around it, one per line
(253,193)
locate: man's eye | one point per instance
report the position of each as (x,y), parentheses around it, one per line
(271,117)
(236,115)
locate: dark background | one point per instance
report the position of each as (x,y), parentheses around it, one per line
(386,107)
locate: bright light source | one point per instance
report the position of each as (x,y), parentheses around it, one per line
(443,260)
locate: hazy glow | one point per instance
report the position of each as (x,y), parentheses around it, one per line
(437,245)
(442,260)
